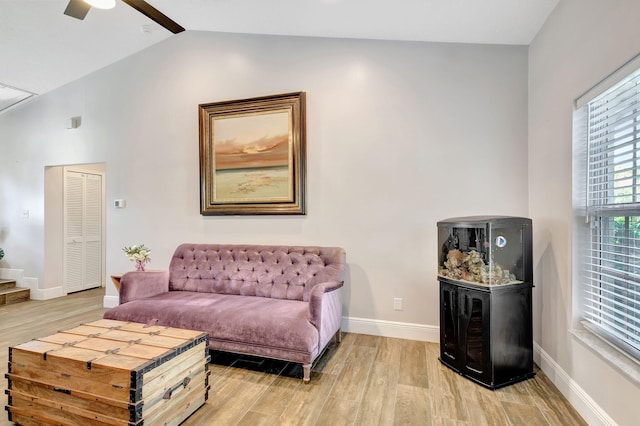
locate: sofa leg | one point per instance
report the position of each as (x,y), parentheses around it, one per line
(339,336)
(306,368)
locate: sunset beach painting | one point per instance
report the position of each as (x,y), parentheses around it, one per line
(252,158)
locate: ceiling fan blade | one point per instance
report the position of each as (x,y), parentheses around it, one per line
(77,9)
(153,13)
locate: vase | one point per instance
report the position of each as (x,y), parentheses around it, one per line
(140,265)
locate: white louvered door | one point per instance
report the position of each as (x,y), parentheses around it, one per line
(82,230)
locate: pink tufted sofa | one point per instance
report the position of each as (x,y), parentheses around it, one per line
(279,302)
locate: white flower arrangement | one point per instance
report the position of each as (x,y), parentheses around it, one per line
(139,254)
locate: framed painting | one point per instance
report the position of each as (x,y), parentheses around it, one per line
(252,156)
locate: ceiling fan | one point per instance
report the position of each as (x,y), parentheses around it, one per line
(79,8)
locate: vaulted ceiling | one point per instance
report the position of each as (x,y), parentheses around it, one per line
(42,49)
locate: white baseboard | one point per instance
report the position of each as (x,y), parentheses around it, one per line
(110,301)
(400,330)
(11,274)
(581,401)
(47,293)
(35,293)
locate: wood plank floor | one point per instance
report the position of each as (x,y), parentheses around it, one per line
(365,380)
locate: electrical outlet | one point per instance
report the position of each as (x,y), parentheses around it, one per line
(398,304)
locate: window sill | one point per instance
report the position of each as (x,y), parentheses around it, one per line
(620,361)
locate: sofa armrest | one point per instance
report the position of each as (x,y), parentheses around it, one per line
(325,306)
(138,285)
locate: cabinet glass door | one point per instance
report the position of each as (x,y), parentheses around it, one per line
(448,318)
(475,335)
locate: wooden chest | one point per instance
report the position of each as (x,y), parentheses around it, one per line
(109,373)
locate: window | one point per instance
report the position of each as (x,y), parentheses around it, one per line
(607,159)
(10,96)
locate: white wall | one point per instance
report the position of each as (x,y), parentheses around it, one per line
(581,43)
(400,135)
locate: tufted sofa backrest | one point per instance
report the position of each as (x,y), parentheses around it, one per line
(282,272)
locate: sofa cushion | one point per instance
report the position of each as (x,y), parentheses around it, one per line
(274,323)
(267,271)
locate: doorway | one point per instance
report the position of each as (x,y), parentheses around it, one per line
(74,227)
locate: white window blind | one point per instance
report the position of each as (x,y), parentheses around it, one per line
(611,276)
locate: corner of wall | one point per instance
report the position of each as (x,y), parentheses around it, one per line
(590,411)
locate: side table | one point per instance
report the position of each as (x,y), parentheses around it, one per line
(116,281)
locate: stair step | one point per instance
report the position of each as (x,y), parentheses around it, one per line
(5,284)
(13,295)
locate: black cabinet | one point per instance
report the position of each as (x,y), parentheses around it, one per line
(486,333)
(486,329)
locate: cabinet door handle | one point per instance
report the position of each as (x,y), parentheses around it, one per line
(466,304)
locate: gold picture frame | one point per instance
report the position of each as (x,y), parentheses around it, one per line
(252,156)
